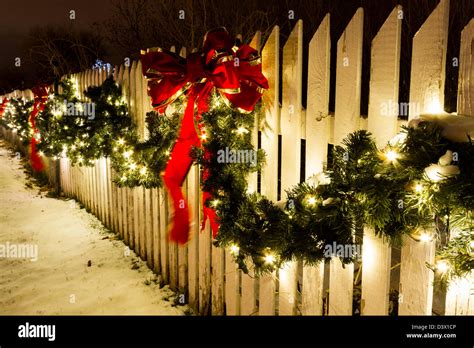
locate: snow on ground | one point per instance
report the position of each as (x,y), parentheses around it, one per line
(81,267)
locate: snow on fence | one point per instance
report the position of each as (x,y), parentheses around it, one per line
(206,277)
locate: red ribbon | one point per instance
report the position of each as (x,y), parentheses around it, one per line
(3,106)
(236,74)
(40,96)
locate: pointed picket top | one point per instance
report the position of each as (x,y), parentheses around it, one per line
(292,75)
(257,41)
(466,71)
(348,78)
(384,79)
(317,135)
(270,125)
(317,113)
(428,65)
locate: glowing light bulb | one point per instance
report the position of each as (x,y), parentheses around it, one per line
(442,266)
(234,249)
(425,237)
(127,154)
(312,200)
(133,166)
(418,188)
(143,171)
(391,155)
(269,259)
(121,141)
(242,130)
(215,202)
(472,244)
(203,136)
(41,153)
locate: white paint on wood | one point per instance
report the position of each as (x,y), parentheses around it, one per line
(312,302)
(416,280)
(270,127)
(193,244)
(340,287)
(348,78)
(232,303)
(217,281)
(428,64)
(291,141)
(466,71)
(317,113)
(376,257)
(384,80)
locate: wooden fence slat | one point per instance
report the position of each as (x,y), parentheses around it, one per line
(270,128)
(376,257)
(384,79)
(193,244)
(383,124)
(317,139)
(148,211)
(416,280)
(183,254)
(164,236)
(155,199)
(340,288)
(426,96)
(348,78)
(291,126)
(217,281)
(466,74)
(232,303)
(135,194)
(205,270)
(141,221)
(428,63)
(347,116)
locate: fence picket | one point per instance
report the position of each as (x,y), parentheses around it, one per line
(291,144)
(427,94)
(270,128)
(347,115)
(466,74)
(428,64)
(317,140)
(383,124)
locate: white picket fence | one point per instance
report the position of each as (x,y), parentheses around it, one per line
(207,276)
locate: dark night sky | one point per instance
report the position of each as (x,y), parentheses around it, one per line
(17,17)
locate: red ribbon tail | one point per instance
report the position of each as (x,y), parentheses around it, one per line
(209,213)
(175,173)
(35,158)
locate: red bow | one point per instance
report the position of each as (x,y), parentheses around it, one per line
(3,107)
(40,97)
(236,74)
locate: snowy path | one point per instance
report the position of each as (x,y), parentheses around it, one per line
(66,237)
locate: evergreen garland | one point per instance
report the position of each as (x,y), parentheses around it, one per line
(388,191)
(16,118)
